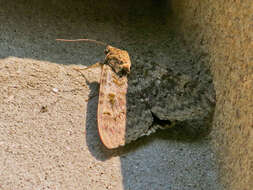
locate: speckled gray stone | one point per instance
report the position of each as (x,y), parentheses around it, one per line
(178,92)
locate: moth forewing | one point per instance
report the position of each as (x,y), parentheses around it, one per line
(111,114)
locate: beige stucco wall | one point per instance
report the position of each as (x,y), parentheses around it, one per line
(224,29)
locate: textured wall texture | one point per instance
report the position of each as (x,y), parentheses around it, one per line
(48,130)
(224,29)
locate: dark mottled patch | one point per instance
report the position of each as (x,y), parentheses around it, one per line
(101,94)
(103,81)
(104,74)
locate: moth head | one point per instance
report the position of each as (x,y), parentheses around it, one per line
(118,60)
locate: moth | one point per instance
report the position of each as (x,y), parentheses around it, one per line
(112,110)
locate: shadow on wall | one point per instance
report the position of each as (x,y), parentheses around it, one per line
(33,27)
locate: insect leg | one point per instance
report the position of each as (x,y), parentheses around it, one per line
(86,68)
(89,67)
(83,75)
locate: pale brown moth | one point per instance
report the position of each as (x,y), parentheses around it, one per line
(111,113)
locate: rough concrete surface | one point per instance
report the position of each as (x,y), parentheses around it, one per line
(224,30)
(48,133)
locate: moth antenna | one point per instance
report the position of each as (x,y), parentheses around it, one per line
(83,40)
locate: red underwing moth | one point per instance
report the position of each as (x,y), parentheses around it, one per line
(111,113)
